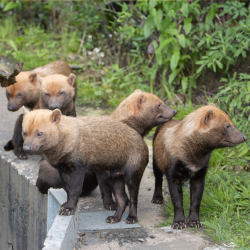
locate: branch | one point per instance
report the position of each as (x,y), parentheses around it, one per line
(7,79)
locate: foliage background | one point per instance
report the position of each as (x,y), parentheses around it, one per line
(189,53)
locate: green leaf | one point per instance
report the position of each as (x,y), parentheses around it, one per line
(10,6)
(155,44)
(211,14)
(184,82)
(214,67)
(166,42)
(174,59)
(219,64)
(186,57)
(243,152)
(184,9)
(158,19)
(172,31)
(109,91)
(149,24)
(13,45)
(200,69)
(173,75)
(153,12)
(181,39)
(154,70)
(158,55)
(152,4)
(187,25)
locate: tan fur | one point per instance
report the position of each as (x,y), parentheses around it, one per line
(54,83)
(57,90)
(102,145)
(57,67)
(130,106)
(143,111)
(83,131)
(30,89)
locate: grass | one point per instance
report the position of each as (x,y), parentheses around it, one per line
(33,45)
(225,207)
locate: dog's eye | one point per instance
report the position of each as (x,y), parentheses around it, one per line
(40,134)
(158,105)
(62,93)
(227,127)
(20,94)
(24,134)
(47,95)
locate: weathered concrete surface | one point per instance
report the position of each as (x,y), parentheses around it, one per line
(23,216)
(62,234)
(142,239)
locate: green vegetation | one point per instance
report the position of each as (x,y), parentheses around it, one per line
(225,206)
(188,53)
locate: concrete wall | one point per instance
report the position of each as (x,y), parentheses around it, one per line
(23,217)
(23,209)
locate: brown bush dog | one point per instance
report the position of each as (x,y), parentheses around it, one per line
(142,111)
(56,91)
(26,91)
(182,150)
(102,145)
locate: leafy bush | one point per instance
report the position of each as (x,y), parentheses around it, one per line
(234,98)
(185,43)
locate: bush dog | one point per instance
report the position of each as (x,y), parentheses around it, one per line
(56,91)
(181,151)
(26,91)
(142,111)
(102,145)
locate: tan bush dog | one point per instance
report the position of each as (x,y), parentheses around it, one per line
(102,145)
(26,91)
(182,150)
(56,91)
(142,111)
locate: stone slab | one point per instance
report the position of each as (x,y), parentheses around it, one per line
(97,222)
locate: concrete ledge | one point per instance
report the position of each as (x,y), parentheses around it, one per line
(62,230)
(23,217)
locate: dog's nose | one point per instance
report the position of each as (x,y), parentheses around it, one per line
(52,107)
(27,148)
(11,108)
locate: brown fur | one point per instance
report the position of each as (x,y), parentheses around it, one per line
(143,111)
(175,135)
(25,92)
(101,144)
(57,91)
(182,149)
